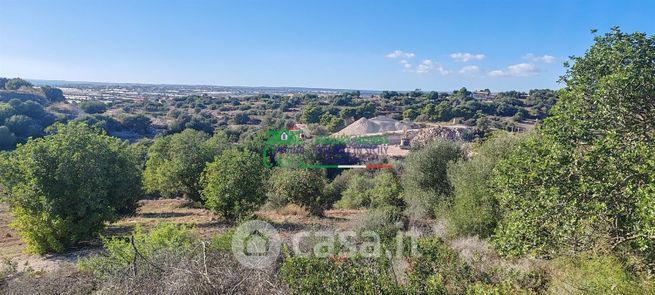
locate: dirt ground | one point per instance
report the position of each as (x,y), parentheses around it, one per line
(151,212)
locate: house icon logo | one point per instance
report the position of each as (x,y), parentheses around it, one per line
(284,136)
(256,244)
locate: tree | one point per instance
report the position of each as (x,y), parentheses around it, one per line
(304,187)
(7,139)
(311,114)
(62,188)
(139,123)
(16,83)
(241,118)
(425,178)
(585,181)
(53,94)
(175,163)
(475,207)
(93,107)
(23,126)
(233,185)
(410,114)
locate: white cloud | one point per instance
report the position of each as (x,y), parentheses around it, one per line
(400,53)
(517,70)
(464,56)
(469,70)
(405,64)
(536,58)
(427,66)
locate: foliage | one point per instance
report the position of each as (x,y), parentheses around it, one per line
(311,275)
(233,185)
(425,180)
(356,193)
(594,275)
(63,187)
(585,181)
(93,106)
(16,83)
(7,139)
(475,208)
(304,187)
(175,163)
(438,270)
(121,253)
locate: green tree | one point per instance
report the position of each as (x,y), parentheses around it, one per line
(410,114)
(23,126)
(175,163)
(16,83)
(233,185)
(475,207)
(7,139)
(62,188)
(425,178)
(304,187)
(311,114)
(586,180)
(93,106)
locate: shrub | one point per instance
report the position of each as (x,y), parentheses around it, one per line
(7,139)
(356,195)
(386,190)
(175,163)
(594,275)
(304,187)
(585,182)
(311,275)
(385,221)
(63,187)
(121,250)
(425,178)
(233,185)
(475,208)
(93,106)
(438,270)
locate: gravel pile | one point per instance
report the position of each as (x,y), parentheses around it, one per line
(374,125)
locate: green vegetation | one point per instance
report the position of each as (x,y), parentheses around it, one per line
(475,207)
(233,185)
(63,187)
(304,187)
(175,163)
(584,181)
(425,179)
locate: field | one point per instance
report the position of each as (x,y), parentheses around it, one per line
(151,212)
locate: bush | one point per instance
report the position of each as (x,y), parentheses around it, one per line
(594,275)
(93,107)
(385,221)
(311,275)
(356,195)
(62,188)
(425,178)
(304,187)
(475,208)
(438,270)
(175,163)
(7,139)
(233,185)
(121,253)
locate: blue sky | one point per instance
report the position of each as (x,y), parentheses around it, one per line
(399,45)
